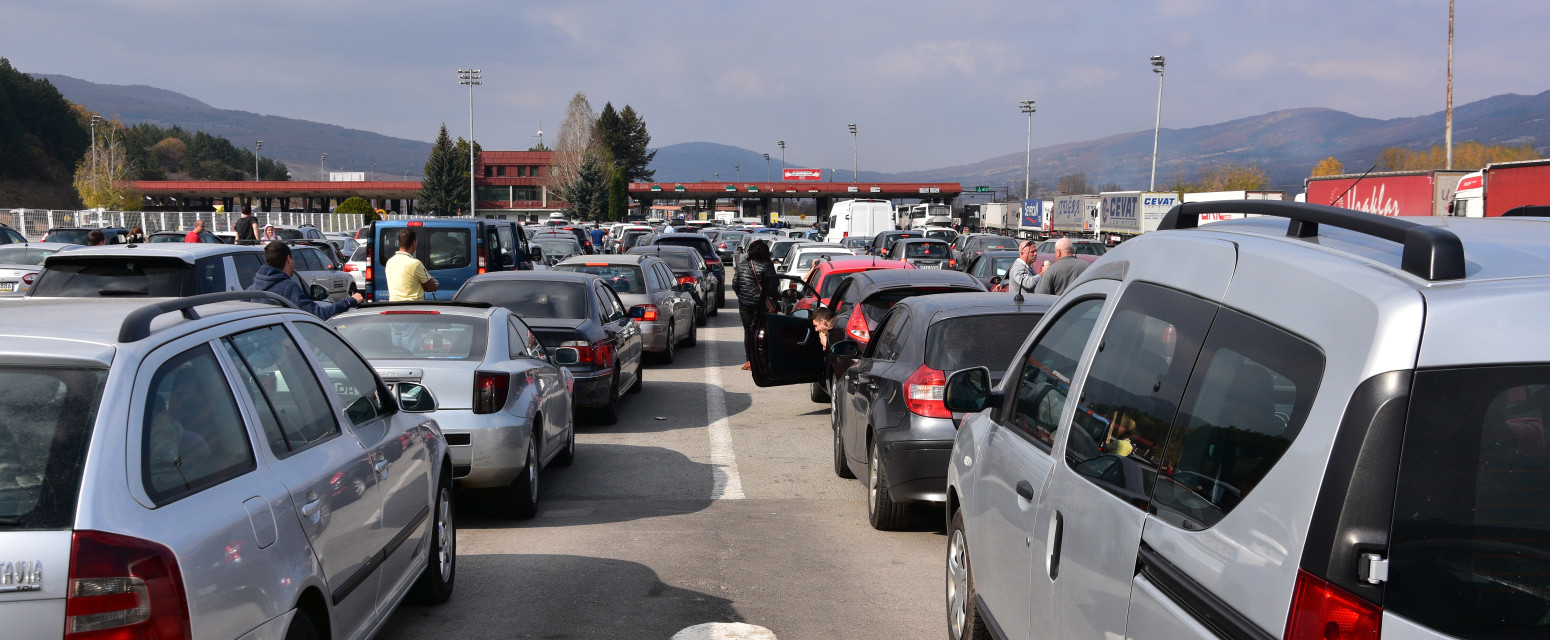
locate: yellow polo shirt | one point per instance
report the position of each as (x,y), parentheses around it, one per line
(406,277)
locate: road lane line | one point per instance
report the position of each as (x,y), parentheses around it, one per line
(728,485)
(724,631)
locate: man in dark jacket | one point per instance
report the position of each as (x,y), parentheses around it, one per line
(276,276)
(1063,272)
(753,276)
(246,226)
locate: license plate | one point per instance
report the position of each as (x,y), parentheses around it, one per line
(7,287)
(931,266)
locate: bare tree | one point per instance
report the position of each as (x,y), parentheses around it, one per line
(578,137)
(102,178)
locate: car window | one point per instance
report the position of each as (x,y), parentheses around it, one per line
(1137,379)
(1469,553)
(523,341)
(666,276)
(445,248)
(11,236)
(978,341)
(1045,379)
(291,405)
(193,436)
(352,378)
(890,336)
(46,419)
(624,278)
(1247,400)
(24,255)
(508,247)
(247,265)
(414,336)
(530,298)
(925,250)
(111,276)
(1088,249)
(305,259)
(210,274)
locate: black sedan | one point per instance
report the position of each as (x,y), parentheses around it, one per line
(882,242)
(890,424)
(576,310)
(980,244)
(991,266)
(556,246)
(708,252)
(690,269)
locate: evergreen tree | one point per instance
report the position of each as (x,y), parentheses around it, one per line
(439,187)
(460,161)
(42,136)
(587,194)
(634,153)
(618,195)
(610,133)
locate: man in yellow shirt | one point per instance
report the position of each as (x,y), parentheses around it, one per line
(406,275)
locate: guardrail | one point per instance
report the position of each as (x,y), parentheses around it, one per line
(33,223)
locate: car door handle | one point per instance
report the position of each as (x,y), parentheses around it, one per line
(1052,552)
(381,468)
(1025,490)
(311,507)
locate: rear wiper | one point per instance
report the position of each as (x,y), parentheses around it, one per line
(10,522)
(121,292)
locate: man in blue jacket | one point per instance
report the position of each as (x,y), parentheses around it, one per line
(277,276)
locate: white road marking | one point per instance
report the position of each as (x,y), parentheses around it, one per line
(728,485)
(724,631)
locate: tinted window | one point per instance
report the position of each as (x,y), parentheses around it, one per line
(831,284)
(8,236)
(879,303)
(1045,380)
(1087,249)
(675,260)
(446,248)
(700,244)
(1246,402)
(292,407)
(193,436)
(1470,549)
(978,341)
(806,259)
(988,243)
(46,418)
(290,234)
(530,298)
(925,250)
(72,236)
(90,278)
(210,275)
(24,255)
(415,336)
(623,278)
(362,253)
(888,344)
(1137,378)
(352,378)
(247,265)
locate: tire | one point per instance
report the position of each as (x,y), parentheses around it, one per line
(694,334)
(568,455)
(721,296)
(881,510)
(670,353)
(841,467)
(640,379)
(701,315)
(714,307)
(521,496)
(819,391)
(435,585)
(609,413)
(963,620)
(302,627)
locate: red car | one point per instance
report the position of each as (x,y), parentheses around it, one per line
(827,274)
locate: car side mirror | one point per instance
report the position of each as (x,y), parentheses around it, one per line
(968,390)
(637,313)
(846,349)
(566,356)
(414,398)
(317,292)
(536,254)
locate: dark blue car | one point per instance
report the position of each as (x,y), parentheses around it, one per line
(452,250)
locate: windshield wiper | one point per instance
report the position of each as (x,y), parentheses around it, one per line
(121,292)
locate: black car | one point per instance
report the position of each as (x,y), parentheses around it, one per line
(991,266)
(786,354)
(924,253)
(689,268)
(9,235)
(882,242)
(890,423)
(708,253)
(77,235)
(727,244)
(556,246)
(567,309)
(979,244)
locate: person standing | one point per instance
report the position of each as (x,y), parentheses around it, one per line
(246,227)
(277,276)
(750,282)
(269,234)
(1020,276)
(197,235)
(599,236)
(407,278)
(1063,271)
(95,238)
(136,235)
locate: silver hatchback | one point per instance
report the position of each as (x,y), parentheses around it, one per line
(206,468)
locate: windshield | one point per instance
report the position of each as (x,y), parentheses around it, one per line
(700,244)
(730,238)
(530,298)
(288,234)
(362,253)
(1089,249)
(878,305)
(676,260)
(1001,266)
(978,341)
(623,278)
(24,255)
(168,237)
(806,259)
(990,243)
(925,250)
(415,335)
(72,236)
(942,234)
(111,276)
(46,418)
(781,250)
(558,247)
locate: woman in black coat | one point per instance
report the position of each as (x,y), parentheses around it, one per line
(754,277)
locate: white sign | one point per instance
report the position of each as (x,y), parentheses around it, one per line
(347,176)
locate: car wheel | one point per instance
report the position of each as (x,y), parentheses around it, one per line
(522,494)
(701,315)
(841,467)
(714,308)
(669,353)
(609,414)
(640,379)
(301,627)
(881,510)
(435,585)
(694,334)
(963,619)
(568,455)
(721,297)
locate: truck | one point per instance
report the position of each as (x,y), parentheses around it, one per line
(994,217)
(1502,186)
(1393,193)
(1032,222)
(1212,196)
(1126,214)
(1076,215)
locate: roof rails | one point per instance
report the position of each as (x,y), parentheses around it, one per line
(137,325)
(1431,253)
(1528,211)
(414,303)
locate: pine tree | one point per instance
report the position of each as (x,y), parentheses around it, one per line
(438,190)
(587,194)
(618,195)
(635,153)
(610,132)
(460,163)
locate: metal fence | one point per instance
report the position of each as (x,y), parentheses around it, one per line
(33,223)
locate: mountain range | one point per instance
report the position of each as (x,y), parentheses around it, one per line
(1286,143)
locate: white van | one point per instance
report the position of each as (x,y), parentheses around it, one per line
(865,218)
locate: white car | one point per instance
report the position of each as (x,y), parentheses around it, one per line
(802,257)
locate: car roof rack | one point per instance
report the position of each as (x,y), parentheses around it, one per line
(137,325)
(1431,253)
(415,303)
(1528,211)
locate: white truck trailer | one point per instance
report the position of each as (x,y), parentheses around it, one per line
(1212,196)
(1126,214)
(1076,216)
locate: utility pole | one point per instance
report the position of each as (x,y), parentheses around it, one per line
(1158,63)
(782,145)
(739,169)
(373,176)
(766,167)
(1029,107)
(855,147)
(470,77)
(94,120)
(322,172)
(258,144)
(1448,135)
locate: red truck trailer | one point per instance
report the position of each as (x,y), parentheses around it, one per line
(1509,185)
(1396,193)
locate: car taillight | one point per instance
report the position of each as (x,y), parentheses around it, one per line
(721,246)
(348,267)
(923,393)
(368,273)
(688,280)
(951,262)
(123,588)
(648,312)
(490,388)
(483,258)
(857,327)
(416,223)
(27,278)
(1322,611)
(426,312)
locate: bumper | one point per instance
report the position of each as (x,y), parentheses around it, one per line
(593,387)
(496,449)
(653,336)
(916,459)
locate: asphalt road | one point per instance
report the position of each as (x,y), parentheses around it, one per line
(711,500)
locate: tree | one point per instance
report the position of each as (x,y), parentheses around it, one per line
(586,196)
(354,204)
(1073,184)
(610,131)
(102,177)
(578,140)
(460,160)
(1110,186)
(618,195)
(634,153)
(42,136)
(1233,176)
(438,189)
(1328,167)
(1467,156)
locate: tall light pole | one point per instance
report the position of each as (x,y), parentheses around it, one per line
(94,120)
(373,176)
(1158,62)
(739,169)
(766,167)
(470,77)
(322,172)
(782,145)
(258,144)
(1448,135)
(1028,107)
(855,148)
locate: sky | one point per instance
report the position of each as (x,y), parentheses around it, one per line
(928,84)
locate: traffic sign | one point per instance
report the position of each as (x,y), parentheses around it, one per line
(982,189)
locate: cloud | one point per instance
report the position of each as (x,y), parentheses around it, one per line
(934,59)
(1253,66)
(1181,8)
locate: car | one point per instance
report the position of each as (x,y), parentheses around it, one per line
(708,253)
(991,267)
(1329,428)
(1086,250)
(858,217)
(159,237)
(289,232)
(924,253)
(662,306)
(9,235)
(77,235)
(554,247)
(857,244)
(782,247)
(826,275)
(631,236)
(572,311)
(940,233)
(689,269)
(149,271)
(21,262)
(890,424)
(503,404)
(357,265)
(980,243)
(315,267)
(800,261)
(208,467)
(727,243)
(883,241)
(451,249)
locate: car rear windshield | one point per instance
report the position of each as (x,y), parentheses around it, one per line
(530,298)
(438,248)
(807,258)
(878,305)
(415,334)
(362,253)
(168,237)
(942,234)
(925,250)
(296,234)
(1089,249)
(31,256)
(978,341)
(677,261)
(631,236)
(731,237)
(780,250)
(46,418)
(623,278)
(1469,554)
(994,242)
(111,276)
(701,245)
(72,236)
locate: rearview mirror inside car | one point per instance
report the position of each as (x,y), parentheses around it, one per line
(968,390)
(566,356)
(414,398)
(317,292)
(846,349)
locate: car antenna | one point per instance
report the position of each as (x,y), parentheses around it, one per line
(1353,185)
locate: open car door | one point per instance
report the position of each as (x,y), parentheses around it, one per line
(787,348)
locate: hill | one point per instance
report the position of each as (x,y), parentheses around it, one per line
(297,143)
(696,161)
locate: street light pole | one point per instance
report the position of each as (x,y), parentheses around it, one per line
(1448,134)
(1158,63)
(1028,107)
(739,169)
(855,148)
(259,144)
(471,78)
(766,167)
(94,120)
(322,172)
(373,176)
(782,145)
